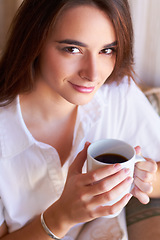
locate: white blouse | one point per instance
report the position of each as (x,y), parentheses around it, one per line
(31,176)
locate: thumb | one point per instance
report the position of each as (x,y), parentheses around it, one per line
(76,166)
(138,150)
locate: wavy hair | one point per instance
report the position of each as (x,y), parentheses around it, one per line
(29,31)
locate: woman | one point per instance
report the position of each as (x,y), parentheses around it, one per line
(58,56)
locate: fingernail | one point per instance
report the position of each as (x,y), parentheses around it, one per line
(128,196)
(126,170)
(87,144)
(117,166)
(129,179)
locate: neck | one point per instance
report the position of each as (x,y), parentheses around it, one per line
(45,105)
(49,119)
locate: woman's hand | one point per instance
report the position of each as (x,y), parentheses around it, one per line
(84,194)
(143,177)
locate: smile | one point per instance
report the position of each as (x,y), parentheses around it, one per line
(82,89)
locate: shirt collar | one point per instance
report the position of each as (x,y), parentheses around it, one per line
(92,111)
(89,114)
(14,135)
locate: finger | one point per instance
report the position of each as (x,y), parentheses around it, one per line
(143,186)
(101,173)
(111,195)
(141,196)
(148,165)
(76,166)
(110,210)
(107,183)
(144,175)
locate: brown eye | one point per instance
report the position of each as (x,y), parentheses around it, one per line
(72,50)
(108,51)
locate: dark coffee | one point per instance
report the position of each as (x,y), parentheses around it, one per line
(111,158)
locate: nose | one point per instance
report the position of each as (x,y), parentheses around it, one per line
(89,68)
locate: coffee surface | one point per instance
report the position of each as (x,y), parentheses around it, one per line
(111,158)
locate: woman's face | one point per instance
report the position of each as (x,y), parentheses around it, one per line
(79,55)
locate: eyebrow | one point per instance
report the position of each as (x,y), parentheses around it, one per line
(77,43)
(73,42)
(110,45)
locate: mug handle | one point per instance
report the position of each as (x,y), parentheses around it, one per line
(139,158)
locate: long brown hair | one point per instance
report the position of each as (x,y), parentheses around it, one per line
(28,33)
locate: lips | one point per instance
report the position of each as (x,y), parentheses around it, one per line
(82,89)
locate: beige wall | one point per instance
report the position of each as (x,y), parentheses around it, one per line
(7,10)
(146,20)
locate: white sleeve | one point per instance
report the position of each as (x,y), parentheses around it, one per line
(141,123)
(1,213)
(129,116)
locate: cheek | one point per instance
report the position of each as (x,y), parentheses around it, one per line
(108,67)
(58,66)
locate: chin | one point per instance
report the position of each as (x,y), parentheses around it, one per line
(81,100)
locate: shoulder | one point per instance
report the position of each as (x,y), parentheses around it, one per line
(9,109)
(123,91)
(125,98)
(7,116)
(14,136)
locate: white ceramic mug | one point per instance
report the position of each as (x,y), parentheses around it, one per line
(116,147)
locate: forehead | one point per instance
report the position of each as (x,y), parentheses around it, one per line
(84,22)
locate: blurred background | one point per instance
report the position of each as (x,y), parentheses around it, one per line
(146,22)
